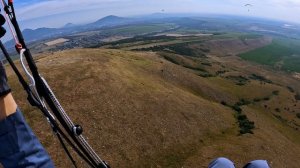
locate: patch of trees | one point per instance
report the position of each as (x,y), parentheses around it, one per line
(180,48)
(171,59)
(143,39)
(280,118)
(257,99)
(261,99)
(196,68)
(206,75)
(290,89)
(221,72)
(297,96)
(246,126)
(267,98)
(177,61)
(277,110)
(206,50)
(275,93)
(240,80)
(243,102)
(260,78)
(206,64)
(223,103)
(218,33)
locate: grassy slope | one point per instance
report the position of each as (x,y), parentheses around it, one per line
(139,110)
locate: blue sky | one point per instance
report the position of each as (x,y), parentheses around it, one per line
(56,13)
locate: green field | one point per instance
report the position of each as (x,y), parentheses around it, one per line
(292,64)
(284,53)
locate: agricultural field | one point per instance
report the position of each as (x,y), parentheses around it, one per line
(282,54)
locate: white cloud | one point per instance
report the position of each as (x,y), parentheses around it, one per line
(52,7)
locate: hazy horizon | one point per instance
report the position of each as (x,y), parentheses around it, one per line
(56,13)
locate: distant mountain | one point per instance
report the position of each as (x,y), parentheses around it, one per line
(160,16)
(111,20)
(40,33)
(43,33)
(68,25)
(203,22)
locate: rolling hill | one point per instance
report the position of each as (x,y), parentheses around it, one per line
(144,109)
(110,21)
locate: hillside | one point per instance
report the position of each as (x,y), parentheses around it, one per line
(143,109)
(111,21)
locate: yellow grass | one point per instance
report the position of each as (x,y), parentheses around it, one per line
(139,110)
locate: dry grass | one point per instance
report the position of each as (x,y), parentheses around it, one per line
(139,110)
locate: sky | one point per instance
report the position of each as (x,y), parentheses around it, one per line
(56,13)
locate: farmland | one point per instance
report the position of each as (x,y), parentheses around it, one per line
(281,54)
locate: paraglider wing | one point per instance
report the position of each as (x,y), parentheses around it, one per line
(248,6)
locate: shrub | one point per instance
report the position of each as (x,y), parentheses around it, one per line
(220,72)
(245,125)
(205,50)
(224,103)
(237,108)
(243,102)
(206,63)
(290,89)
(171,59)
(240,84)
(260,78)
(248,125)
(194,68)
(276,92)
(239,80)
(297,96)
(280,118)
(206,75)
(242,117)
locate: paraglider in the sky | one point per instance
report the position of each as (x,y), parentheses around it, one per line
(248,6)
(162,10)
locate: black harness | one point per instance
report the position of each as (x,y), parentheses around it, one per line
(41,96)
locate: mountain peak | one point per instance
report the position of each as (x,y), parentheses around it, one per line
(69,25)
(110,20)
(111,17)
